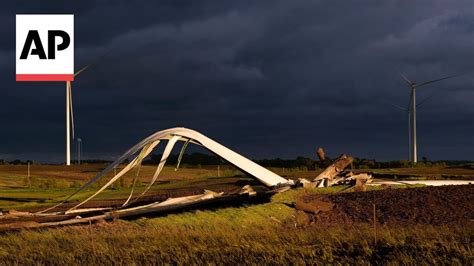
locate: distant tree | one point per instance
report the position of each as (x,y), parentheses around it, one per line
(16,162)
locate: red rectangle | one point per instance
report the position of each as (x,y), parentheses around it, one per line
(44,77)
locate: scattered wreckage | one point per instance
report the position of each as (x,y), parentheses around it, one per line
(51,217)
(58,215)
(335,174)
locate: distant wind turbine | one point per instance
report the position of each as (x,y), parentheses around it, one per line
(412,108)
(70,116)
(69,109)
(407,110)
(79,150)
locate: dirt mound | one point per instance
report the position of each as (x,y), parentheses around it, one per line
(428,205)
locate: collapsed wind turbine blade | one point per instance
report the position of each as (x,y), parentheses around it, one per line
(181,154)
(110,182)
(436,80)
(168,148)
(265,176)
(109,168)
(144,153)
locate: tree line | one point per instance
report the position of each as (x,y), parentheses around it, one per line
(196,159)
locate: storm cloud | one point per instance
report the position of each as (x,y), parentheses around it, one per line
(267,78)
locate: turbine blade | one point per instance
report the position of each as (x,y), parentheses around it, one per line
(398,106)
(82,69)
(93,62)
(409,102)
(181,154)
(70,107)
(168,148)
(440,79)
(406,79)
(144,153)
(425,99)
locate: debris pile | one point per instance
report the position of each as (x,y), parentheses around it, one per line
(335,174)
(79,214)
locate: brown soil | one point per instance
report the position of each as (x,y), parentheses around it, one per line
(400,207)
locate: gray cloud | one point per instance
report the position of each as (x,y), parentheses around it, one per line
(273,78)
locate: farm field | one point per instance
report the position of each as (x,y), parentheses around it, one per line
(49,183)
(412,224)
(14,176)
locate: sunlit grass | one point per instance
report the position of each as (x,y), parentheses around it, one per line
(254,234)
(262,233)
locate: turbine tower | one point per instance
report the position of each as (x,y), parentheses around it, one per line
(79,150)
(412,109)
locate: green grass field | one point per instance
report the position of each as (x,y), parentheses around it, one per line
(50,183)
(270,233)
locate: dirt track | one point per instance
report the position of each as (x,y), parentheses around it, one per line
(429,205)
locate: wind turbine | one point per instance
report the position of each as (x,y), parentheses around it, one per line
(69,109)
(70,116)
(412,108)
(408,112)
(79,150)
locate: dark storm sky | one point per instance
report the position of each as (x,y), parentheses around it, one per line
(266,78)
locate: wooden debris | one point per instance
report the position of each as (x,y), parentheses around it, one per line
(321,154)
(339,165)
(360,185)
(322,183)
(306,183)
(334,174)
(247,189)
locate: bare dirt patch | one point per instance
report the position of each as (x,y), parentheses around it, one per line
(398,207)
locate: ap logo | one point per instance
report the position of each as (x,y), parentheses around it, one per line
(44,47)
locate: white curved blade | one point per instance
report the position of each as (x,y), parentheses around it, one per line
(181,154)
(144,153)
(164,157)
(258,172)
(146,150)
